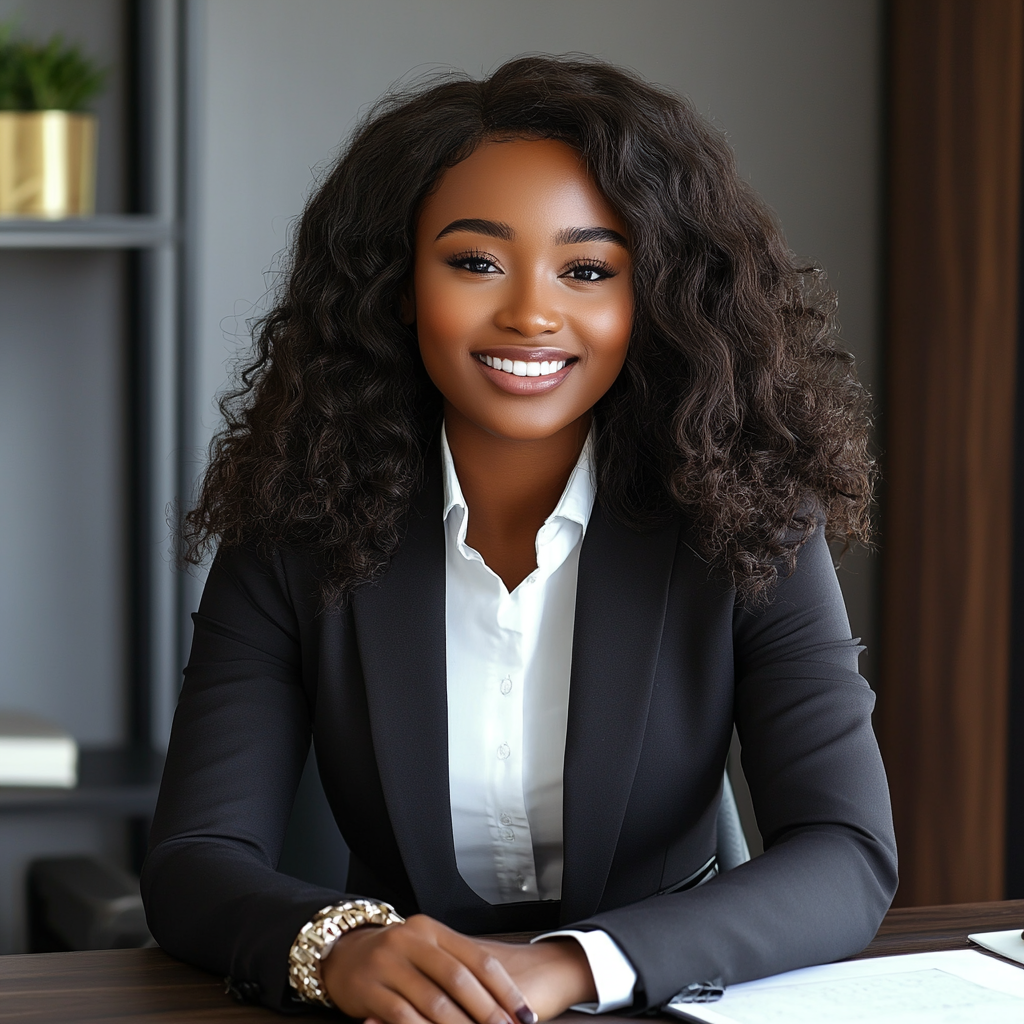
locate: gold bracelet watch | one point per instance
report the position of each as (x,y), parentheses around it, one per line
(318,937)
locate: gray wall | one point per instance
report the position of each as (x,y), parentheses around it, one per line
(277,84)
(63,524)
(62,500)
(62,438)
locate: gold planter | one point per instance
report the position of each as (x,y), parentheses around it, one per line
(47,164)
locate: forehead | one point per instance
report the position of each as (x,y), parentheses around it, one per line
(526,183)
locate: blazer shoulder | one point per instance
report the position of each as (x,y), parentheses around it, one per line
(282,584)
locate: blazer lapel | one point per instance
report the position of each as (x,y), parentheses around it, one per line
(621,595)
(400,626)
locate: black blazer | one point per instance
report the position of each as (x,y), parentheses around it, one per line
(663,663)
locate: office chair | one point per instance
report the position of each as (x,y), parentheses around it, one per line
(732,849)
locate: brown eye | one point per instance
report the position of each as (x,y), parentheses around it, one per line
(589,272)
(475,263)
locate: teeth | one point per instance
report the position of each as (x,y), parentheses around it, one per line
(521,368)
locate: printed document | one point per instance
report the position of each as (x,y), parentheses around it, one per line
(954,987)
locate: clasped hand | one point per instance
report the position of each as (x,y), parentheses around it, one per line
(422,972)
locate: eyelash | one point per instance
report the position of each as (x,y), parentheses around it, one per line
(459,261)
(599,266)
(473,255)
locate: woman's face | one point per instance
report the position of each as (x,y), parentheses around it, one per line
(522,292)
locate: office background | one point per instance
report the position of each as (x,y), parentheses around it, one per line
(218,119)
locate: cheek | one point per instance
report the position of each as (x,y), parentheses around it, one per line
(445,320)
(444,330)
(607,331)
(611,330)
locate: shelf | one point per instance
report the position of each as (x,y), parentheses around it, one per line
(129,231)
(119,781)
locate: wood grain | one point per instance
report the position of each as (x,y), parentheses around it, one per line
(929,929)
(955,138)
(115,985)
(146,985)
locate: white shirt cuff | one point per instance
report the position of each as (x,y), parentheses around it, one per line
(614,977)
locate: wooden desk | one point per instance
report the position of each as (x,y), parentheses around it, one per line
(147,985)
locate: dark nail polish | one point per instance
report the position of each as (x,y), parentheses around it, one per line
(525,1015)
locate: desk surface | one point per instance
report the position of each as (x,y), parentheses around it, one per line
(147,985)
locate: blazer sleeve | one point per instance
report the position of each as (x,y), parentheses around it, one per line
(828,873)
(240,738)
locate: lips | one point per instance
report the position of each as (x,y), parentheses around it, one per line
(523,371)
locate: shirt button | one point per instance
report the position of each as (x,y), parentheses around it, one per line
(521,882)
(506,685)
(505,820)
(503,752)
(508,835)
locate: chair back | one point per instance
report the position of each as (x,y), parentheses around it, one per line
(732,843)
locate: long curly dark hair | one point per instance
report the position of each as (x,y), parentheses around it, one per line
(736,405)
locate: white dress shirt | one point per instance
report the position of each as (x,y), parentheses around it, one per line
(508,663)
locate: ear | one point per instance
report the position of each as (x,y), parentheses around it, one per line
(407,305)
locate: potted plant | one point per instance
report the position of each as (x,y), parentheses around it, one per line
(47,140)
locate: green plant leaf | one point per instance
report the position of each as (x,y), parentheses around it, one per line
(10,71)
(55,75)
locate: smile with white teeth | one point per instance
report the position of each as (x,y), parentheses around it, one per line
(519,368)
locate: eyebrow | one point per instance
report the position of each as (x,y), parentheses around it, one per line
(499,229)
(494,228)
(574,236)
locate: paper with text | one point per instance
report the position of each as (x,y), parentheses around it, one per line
(955,987)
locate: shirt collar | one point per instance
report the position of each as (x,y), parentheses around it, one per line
(575,504)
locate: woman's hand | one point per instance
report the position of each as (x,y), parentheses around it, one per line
(553,975)
(422,972)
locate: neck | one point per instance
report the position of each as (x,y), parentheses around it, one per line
(510,488)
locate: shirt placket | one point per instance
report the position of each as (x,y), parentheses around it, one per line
(510,827)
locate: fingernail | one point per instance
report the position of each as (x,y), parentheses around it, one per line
(525,1015)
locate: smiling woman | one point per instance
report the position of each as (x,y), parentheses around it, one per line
(522,506)
(551,291)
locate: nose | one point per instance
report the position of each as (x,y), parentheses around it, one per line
(529,308)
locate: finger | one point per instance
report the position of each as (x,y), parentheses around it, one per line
(492,974)
(430,1000)
(391,1007)
(458,979)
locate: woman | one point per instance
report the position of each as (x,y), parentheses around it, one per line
(522,504)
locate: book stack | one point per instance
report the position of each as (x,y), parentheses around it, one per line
(35,753)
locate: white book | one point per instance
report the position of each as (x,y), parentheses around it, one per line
(35,753)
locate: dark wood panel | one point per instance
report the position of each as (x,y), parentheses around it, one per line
(955,122)
(114,985)
(928,929)
(147,985)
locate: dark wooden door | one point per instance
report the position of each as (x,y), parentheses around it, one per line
(954,185)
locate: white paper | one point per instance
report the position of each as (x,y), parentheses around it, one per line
(954,987)
(1009,944)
